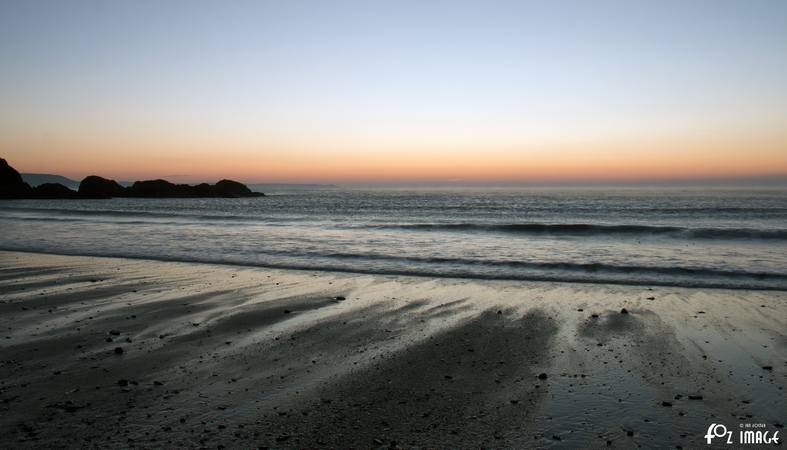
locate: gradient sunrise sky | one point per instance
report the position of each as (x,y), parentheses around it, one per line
(394,91)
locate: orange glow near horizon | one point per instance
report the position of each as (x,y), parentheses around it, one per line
(610,160)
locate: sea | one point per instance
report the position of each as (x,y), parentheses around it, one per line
(690,237)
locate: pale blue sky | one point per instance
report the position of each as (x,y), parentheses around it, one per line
(381,74)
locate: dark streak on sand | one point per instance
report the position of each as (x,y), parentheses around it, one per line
(470,386)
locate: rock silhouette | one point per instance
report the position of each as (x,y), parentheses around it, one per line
(95,186)
(11,183)
(229,187)
(165,189)
(13,186)
(53,190)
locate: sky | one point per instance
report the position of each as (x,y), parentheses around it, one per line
(394,91)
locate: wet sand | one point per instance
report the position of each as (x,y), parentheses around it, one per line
(105,352)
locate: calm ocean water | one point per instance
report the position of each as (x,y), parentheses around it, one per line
(682,237)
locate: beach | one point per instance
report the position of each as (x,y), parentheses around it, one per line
(393,225)
(100,352)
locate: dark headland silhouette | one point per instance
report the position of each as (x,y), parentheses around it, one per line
(12,186)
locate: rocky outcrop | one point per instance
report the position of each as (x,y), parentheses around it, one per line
(229,188)
(11,183)
(53,190)
(157,188)
(13,186)
(165,189)
(98,187)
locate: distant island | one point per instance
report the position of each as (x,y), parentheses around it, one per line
(13,186)
(35,179)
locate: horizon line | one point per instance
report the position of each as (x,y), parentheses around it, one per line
(764,180)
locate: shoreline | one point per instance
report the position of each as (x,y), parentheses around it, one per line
(408,274)
(244,356)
